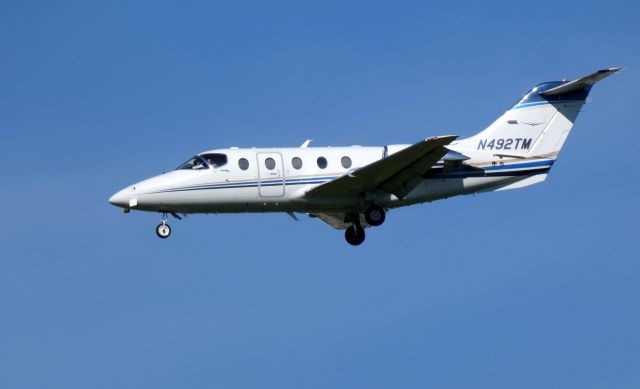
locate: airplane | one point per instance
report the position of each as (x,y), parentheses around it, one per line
(352,188)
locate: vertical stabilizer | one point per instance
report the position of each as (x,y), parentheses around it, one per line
(539,123)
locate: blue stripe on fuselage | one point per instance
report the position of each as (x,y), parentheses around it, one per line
(486,171)
(253,183)
(521,165)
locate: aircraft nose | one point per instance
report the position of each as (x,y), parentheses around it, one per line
(121,198)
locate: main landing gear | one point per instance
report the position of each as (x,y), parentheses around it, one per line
(354,234)
(374,216)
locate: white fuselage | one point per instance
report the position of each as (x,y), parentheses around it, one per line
(278,186)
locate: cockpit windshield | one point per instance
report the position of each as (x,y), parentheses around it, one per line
(195,163)
(215,160)
(204,161)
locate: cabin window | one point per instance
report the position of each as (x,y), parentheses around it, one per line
(243,164)
(215,160)
(270,163)
(296,163)
(346,162)
(322,162)
(195,163)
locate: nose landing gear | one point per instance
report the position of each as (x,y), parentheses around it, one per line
(163,230)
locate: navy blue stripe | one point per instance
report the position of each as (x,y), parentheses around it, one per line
(236,186)
(292,181)
(460,175)
(523,165)
(487,171)
(481,173)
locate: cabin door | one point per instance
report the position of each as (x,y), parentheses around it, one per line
(270,175)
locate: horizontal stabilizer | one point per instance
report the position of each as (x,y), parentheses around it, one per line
(581,83)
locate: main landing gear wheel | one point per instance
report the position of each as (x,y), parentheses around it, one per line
(163,230)
(374,215)
(354,235)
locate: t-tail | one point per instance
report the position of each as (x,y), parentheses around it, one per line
(538,124)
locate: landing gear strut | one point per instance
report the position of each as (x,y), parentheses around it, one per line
(355,233)
(163,230)
(374,215)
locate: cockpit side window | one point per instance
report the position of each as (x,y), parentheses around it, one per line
(215,160)
(195,163)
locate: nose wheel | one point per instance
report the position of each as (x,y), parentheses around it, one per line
(163,230)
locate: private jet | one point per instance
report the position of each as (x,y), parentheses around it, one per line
(353,188)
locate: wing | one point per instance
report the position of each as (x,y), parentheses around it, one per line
(398,173)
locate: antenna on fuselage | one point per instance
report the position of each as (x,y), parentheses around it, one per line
(306,143)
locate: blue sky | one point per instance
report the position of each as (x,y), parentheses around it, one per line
(531,288)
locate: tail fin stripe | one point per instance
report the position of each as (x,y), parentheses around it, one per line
(526,105)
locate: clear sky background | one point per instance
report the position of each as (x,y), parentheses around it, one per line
(536,288)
